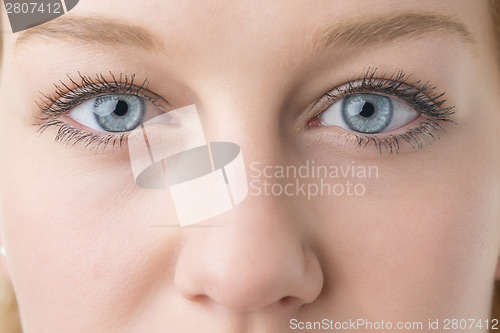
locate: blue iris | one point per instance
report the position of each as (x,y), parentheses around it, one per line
(367,113)
(119,112)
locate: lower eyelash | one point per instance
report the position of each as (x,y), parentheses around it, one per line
(426,132)
(421,96)
(72,136)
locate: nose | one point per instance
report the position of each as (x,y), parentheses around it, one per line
(255,258)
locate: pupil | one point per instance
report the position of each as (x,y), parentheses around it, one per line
(367,110)
(121,108)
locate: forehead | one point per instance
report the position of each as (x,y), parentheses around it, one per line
(253,25)
(208,21)
(259,34)
(262,19)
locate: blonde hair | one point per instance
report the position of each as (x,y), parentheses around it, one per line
(9,314)
(495,312)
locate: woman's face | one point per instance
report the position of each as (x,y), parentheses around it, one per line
(407,230)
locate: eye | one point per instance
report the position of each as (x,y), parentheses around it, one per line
(114,112)
(368,114)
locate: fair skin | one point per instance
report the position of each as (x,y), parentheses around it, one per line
(84,250)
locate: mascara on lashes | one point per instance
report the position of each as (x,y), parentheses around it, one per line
(421,96)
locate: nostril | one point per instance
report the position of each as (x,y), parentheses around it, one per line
(287,300)
(240,271)
(202,299)
(290,301)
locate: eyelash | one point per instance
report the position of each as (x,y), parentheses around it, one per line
(421,96)
(66,98)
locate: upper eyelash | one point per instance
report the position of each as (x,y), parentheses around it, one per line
(66,98)
(421,96)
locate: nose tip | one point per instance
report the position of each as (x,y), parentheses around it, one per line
(287,283)
(248,270)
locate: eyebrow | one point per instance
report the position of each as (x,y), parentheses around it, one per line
(104,31)
(365,32)
(389,28)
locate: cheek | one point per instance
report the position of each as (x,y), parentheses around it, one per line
(79,232)
(422,237)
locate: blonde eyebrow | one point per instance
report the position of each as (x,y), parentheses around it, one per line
(361,33)
(104,31)
(389,28)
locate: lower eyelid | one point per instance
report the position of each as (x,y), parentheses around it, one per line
(392,132)
(396,130)
(70,133)
(417,134)
(85,129)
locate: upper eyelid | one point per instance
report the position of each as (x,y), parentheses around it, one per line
(65,97)
(381,83)
(424,96)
